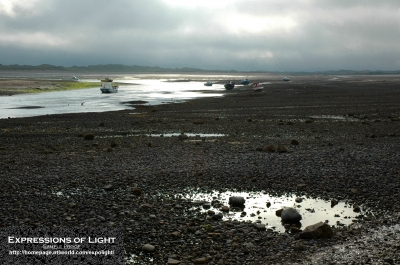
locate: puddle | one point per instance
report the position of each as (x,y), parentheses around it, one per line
(333,117)
(138,259)
(312,210)
(188,134)
(193,135)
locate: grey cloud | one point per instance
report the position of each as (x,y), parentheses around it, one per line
(327,35)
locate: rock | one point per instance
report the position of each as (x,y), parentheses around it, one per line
(356,208)
(200,261)
(290,215)
(236,201)
(268,204)
(334,202)
(260,227)
(148,248)
(137,191)
(108,187)
(172,261)
(114,143)
(225,208)
(282,149)
(218,216)
(198,122)
(176,234)
(316,231)
(294,142)
(207,205)
(278,212)
(89,136)
(269,148)
(183,136)
(294,229)
(210,212)
(301,186)
(298,200)
(299,247)
(354,191)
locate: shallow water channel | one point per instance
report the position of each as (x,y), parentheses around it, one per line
(261,207)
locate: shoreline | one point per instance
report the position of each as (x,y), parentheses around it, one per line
(349,148)
(12,86)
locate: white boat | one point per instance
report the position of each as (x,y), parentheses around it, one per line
(256,87)
(107,86)
(209,83)
(73,78)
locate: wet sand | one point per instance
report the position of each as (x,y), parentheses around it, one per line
(342,136)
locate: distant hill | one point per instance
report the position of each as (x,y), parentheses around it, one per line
(106,68)
(120,68)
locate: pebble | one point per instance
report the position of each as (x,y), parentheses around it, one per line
(40,157)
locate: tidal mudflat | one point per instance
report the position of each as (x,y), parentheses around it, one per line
(313,137)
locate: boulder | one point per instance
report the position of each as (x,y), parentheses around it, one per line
(290,215)
(148,248)
(183,136)
(269,148)
(89,136)
(294,142)
(316,231)
(236,201)
(282,149)
(278,212)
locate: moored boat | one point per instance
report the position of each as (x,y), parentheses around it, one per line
(245,81)
(230,85)
(208,83)
(256,87)
(107,86)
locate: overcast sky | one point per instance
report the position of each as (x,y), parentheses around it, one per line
(243,35)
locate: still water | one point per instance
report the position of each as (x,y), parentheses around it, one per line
(261,207)
(152,91)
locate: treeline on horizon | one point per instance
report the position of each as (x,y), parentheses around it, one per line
(120,68)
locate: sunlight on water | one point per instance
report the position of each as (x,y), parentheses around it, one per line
(153,92)
(262,207)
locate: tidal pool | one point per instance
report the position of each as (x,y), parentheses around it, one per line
(261,207)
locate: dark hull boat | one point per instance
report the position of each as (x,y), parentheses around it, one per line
(230,85)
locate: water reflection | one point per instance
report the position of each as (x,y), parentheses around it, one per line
(262,207)
(153,92)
